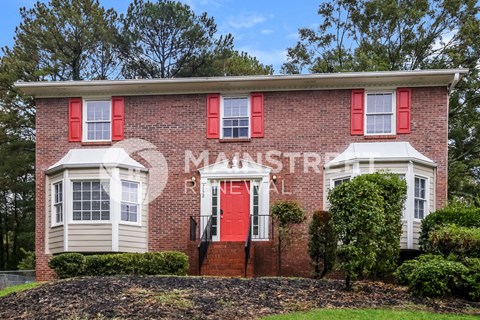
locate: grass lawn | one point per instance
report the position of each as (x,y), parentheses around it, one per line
(370,314)
(20,287)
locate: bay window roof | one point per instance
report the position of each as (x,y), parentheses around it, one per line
(380,151)
(96,158)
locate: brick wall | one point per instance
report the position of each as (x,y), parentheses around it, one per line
(304,121)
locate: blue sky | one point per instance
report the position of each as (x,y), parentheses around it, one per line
(263,28)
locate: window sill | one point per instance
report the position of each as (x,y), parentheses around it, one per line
(235,140)
(54,226)
(96,143)
(386,136)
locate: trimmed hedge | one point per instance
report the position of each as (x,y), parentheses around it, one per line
(459,241)
(462,217)
(434,276)
(69,265)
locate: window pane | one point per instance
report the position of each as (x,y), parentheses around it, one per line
(227,133)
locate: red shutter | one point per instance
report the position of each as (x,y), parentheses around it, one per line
(357,112)
(257,115)
(75,120)
(403,109)
(117,118)
(213,116)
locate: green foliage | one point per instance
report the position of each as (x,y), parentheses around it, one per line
(286,214)
(66,40)
(394,192)
(322,243)
(165,38)
(69,265)
(452,239)
(455,214)
(471,280)
(28,261)
(357,216)
(436,277)
(376,35)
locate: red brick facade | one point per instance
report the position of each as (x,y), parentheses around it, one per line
(299,121)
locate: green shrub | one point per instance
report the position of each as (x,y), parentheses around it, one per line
(357,209)
(451,239)
(437,278)
(393,189)
(286,214)
(322,243)
(471,280)
(150,263)
(68,265)
(453,214)
(28,261)
(432,276)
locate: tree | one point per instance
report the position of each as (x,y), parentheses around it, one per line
(376,35)
(66,40)
(165,38)
(322,244)
(393,189)
(287,214)
(357,216)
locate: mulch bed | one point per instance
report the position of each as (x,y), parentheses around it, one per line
(207,298)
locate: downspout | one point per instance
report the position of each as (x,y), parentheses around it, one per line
(455,80)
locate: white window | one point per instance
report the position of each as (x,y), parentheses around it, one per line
(130,203)
(97,124)
(420,196)
(57,200)
(91,200)
(380,113)
(235,117)
(339,181)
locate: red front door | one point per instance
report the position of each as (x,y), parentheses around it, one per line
(235,205)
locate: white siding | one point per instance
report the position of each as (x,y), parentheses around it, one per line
(94,237)
(54,236)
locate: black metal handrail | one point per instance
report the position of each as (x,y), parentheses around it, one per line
(205,240)
(248,244)
(193,229)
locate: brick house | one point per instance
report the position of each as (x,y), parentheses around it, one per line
(194,164)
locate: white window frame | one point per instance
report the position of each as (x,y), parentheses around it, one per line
(139,203)
(84,118)
(70,201)
(222,98)
(332,180)
(394,113)
(427,200)
(53,212)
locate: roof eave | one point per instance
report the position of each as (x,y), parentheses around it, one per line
(416,78)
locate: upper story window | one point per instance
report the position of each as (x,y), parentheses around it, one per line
(98,120)
(380,113)
(130,203)
(420,195)
(91,200)
(57,203)
(235,117)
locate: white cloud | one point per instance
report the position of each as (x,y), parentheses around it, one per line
(266,31)
(245,21)
(275,57)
